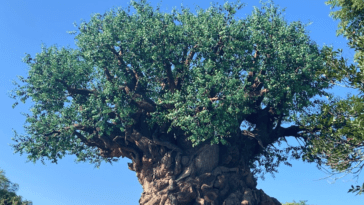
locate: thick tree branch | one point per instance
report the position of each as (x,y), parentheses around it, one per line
(79,135)
(280,120)
(146,103)
(217,98)
(77,126)
(84,139)
(106,140)
(190,56)
(184,55)
(165,144)
(293,131)
(256,85)
(108,76)
(131,149)
(251,134)
(119,57)
(185,63)
(218,48)
(124,67)
(72,91)
(104,143)
(167,67)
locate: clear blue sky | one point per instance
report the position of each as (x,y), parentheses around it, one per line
(28,24)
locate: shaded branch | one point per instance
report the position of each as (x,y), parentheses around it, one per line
(256,85)
(186,60)
(167,67)
(123,67)
(108,76)
(77,126)
(84,139)
(79,135)
(293,131)
(165,144)
(190,56)
(72,91)
(106,140)
(252,135)
(184,55)
(216,48)
(105,143)
(119,57)
(146,103)
(216,98)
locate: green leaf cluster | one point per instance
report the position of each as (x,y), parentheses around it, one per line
(7,192)
(339,144)
(114,47)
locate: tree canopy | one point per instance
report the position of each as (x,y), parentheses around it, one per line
(126,65)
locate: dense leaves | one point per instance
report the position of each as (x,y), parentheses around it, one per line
(226,69)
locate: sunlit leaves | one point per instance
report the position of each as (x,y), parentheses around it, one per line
(146,43)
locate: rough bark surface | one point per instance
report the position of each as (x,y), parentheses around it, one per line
(172,172)
(199,179)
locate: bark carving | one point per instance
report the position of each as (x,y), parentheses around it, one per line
(173,174)
(204,179)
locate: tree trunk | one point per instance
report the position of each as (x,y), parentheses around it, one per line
(172,172)
(203,175)
(202,178)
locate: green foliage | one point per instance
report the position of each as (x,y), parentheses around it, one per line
(289,65)
(7,192)
(340,142)
(358,189)
(351,12)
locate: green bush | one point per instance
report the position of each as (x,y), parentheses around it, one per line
(7,192)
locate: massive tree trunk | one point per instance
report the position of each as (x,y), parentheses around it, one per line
(172,172)
(207,177)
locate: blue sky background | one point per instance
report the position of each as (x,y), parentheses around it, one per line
(28,24)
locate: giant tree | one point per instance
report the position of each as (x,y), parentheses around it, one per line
(172,98)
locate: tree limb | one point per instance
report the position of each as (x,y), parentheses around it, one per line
(252,135)
(167,67)
(123,67)
(165,144)
(84,139)
(190,56)
(72,91)
(108,76)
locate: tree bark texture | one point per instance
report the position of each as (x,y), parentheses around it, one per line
(172,172)
(200,179)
